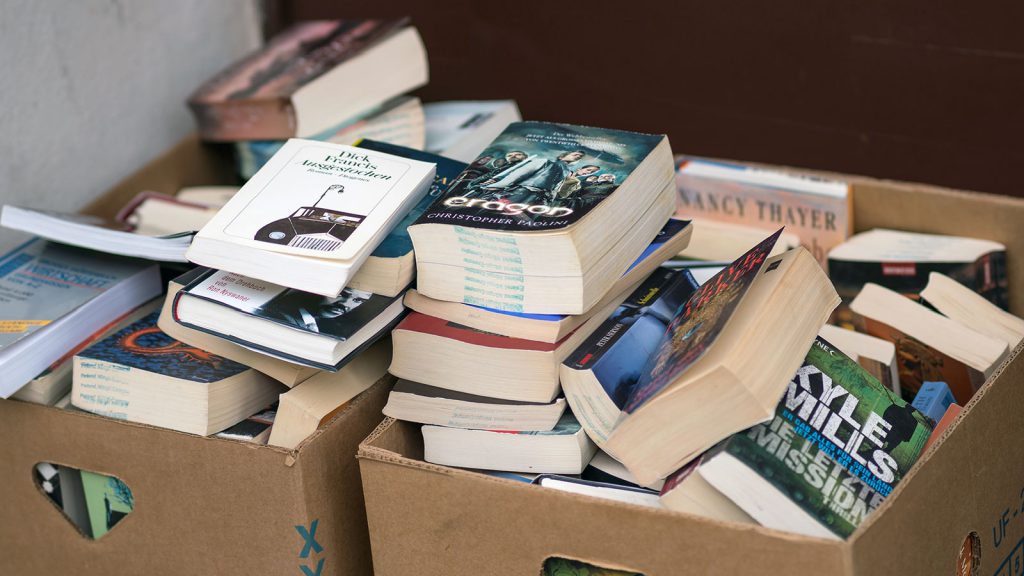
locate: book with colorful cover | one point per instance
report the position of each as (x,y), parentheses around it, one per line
(108,500)
(541,176)
(817,210)
(839,443)
(616,353)
(699,322)
(340,319)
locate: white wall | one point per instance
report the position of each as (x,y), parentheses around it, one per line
(92,89)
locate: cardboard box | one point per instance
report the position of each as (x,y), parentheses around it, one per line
(202,505)
(965,495)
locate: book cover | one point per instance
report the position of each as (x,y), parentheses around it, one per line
(818,211)
(338,318)
(417,322)
(540,176)
(251,99)
(41,282)
(319,200)
(255,428)
(143,346)
(618,350)
(849,415)
(409,387)
(398,243)
(698,323)
(108,500)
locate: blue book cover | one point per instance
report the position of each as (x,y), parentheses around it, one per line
(618,350)
(398,243)
(143,346)
(41,281)
(932,399)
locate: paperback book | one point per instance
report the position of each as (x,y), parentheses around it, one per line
(817,210)
(546,219)
(391,266)
(310,77)
(54,297)
(312,215)
(300,327)
(553,327)
(837,446)
(142,375)
(462,129)
(415,402)
(718,367)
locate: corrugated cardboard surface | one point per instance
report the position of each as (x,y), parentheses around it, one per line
(202,505)
(427,519)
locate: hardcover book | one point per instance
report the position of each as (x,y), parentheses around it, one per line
(838,445)
(312,215)
(142,375)
(296,326)
(818,211)
(301,82)
(54,297)
(545,219)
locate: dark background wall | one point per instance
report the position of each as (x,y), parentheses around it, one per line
(921,90)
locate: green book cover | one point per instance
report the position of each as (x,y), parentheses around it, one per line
(107,499)
(839,442)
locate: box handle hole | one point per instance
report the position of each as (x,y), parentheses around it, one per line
(94,503)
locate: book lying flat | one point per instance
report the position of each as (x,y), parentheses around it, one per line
(817,211)
(54,297)
(312,215)
(142,375)
(563,450)
(553,327)
(303,328)
(254,429)
(549,223)
(838,445)
(414,402)
(448,355)
(285,372)
(617,492)
(391,266)
(156,214)
(96,234)
(310,77)
(398,121)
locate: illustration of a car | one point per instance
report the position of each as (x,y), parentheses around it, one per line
(312,227)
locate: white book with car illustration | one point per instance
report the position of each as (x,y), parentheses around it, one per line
(312,215)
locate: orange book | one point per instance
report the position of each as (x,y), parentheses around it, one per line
(951,413)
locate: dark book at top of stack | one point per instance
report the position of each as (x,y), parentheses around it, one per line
(549,223)
(309,78)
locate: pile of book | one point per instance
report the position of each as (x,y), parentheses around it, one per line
(567,305)
(116,319)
